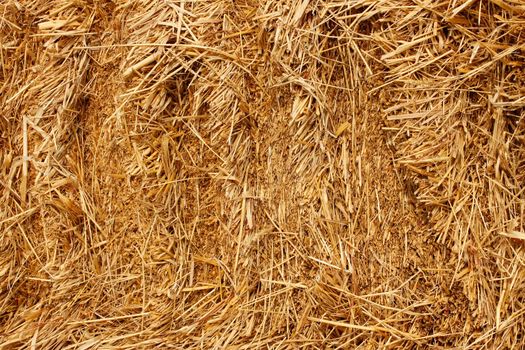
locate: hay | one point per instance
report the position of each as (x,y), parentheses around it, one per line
(262,174)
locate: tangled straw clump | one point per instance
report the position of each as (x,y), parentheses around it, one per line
(262,174)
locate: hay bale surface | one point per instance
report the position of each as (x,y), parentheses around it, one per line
(262,174)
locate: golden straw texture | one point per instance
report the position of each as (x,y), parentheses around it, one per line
(223,174)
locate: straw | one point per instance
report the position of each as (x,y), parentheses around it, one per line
(262,174)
